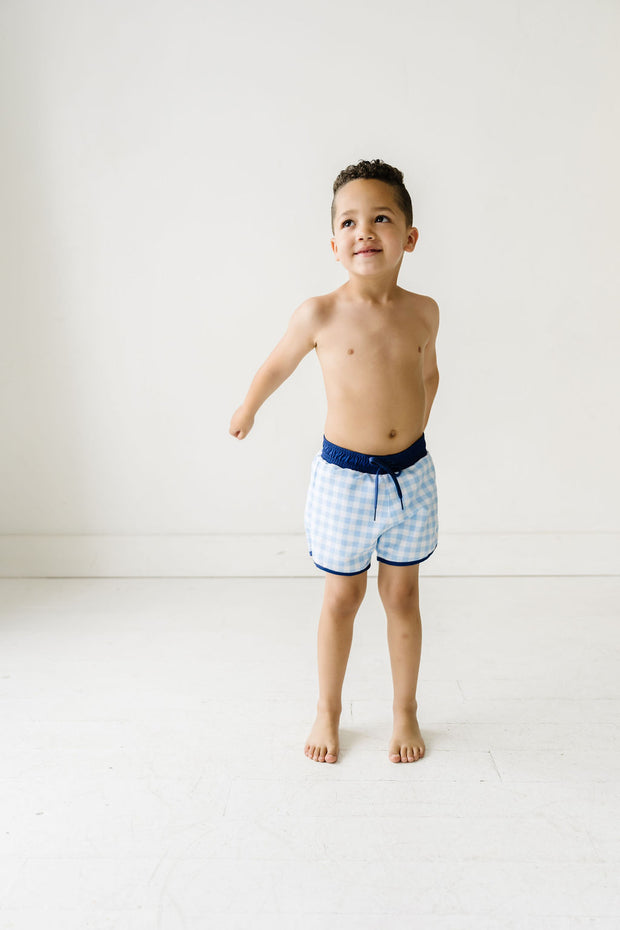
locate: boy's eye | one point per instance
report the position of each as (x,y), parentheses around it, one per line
(381,217)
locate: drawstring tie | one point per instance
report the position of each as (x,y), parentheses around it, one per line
(384,468)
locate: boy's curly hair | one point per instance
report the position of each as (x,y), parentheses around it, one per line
(380,171)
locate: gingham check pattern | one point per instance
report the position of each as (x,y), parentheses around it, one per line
(338,519)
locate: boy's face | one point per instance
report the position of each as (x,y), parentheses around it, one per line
(370,232)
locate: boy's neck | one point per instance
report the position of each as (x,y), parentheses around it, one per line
(372,290)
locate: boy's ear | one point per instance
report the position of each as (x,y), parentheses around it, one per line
(334,247)
(412,237)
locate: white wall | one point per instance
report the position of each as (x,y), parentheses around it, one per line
(166,185)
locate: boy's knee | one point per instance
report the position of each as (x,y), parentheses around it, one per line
(344,594)
(399,595)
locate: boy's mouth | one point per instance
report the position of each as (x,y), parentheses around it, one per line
(367,251)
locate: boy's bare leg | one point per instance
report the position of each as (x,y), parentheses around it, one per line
(341,600)
(398,588)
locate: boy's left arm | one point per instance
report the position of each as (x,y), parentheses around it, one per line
(430,370)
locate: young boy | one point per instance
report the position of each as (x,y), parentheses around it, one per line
(373,484)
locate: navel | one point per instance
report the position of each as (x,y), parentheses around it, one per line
(419,348)
(350,351)
(392,433)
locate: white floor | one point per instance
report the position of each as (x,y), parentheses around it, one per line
(152,774)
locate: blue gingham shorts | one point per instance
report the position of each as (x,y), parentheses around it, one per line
(351,513)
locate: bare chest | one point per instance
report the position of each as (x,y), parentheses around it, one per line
(389,345)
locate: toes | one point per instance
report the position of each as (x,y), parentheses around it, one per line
(320,753)
(406,754)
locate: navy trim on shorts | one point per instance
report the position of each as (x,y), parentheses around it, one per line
(348,574)
(416,562)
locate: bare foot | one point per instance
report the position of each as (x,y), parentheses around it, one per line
(322,744)
(406,744)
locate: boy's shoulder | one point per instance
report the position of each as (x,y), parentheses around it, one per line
(315,310)
(321,302)
(424,307)
(418,301)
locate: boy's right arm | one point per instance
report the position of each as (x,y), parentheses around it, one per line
(298,340)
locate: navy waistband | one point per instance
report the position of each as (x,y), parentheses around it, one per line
(391,465)
(358,461)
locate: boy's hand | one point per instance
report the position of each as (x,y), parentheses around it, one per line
(241,424)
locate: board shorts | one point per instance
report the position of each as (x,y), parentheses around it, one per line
(358,504)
